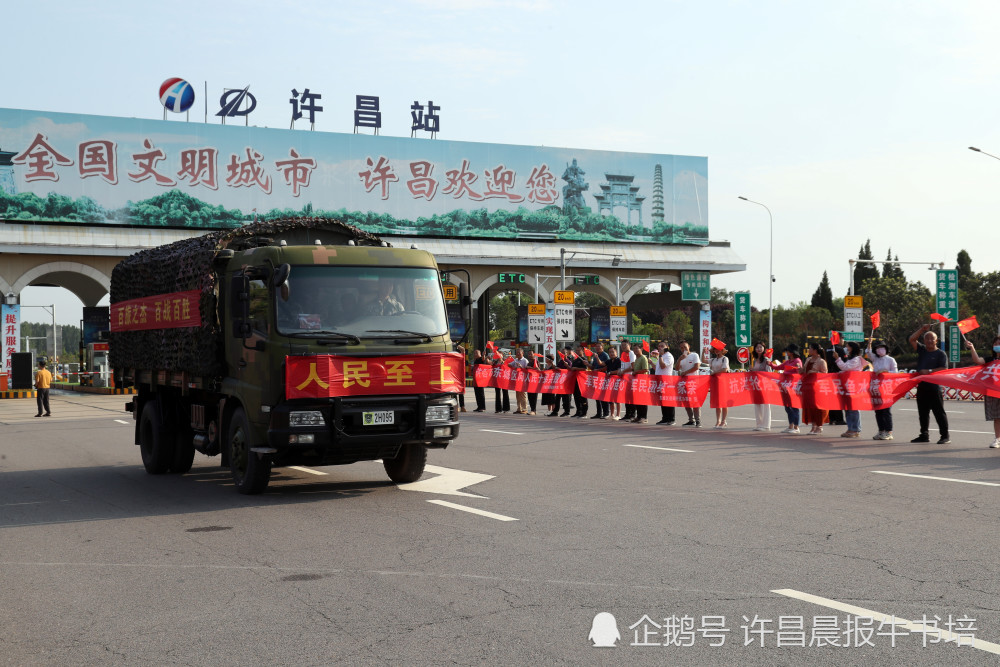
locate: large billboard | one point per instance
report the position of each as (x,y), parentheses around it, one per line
(100,169)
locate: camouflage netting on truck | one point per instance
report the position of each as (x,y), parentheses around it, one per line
(188,265)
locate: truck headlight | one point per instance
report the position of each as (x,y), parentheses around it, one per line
(438,413)
(306,418)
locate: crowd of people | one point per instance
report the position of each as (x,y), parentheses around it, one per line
(630,359)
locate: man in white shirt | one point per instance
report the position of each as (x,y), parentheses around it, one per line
(665,366)
(519,361)
(689,364)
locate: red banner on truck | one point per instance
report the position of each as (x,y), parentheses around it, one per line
(329,375)
(163,311)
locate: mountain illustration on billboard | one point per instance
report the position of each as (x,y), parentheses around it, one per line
(177,209)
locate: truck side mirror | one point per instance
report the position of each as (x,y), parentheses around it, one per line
(463,294)
(280,277)
(239,309)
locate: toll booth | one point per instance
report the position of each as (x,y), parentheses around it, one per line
(98,366)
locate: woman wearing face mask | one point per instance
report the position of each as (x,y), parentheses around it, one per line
(719,364)
(852,361)
(761,363)
(991,403)
(882,363)
(815,363)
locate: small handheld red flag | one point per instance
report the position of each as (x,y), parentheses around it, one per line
(538,356)
(834,337)
(967,325)
(718,344)
(645,345)
(769,352)
(876,319)
(562,356)
(489,345)
(587,352)
(939,317)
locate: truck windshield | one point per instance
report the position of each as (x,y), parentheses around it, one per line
(370,302)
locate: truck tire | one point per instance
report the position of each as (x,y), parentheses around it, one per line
(183,451)
(155,446)
(251,472)
(408,465)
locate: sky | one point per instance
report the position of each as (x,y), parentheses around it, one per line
(849,121)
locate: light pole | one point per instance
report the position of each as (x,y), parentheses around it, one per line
(770,282)
(973,148)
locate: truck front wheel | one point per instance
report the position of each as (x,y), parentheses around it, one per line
(155,444)
(408,465)
(251,471)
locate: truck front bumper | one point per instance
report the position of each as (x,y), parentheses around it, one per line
(357,428)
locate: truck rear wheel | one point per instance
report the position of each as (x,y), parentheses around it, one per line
(251,471)
(408,465)
(155,444)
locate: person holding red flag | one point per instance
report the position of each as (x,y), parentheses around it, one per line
(762,411)
(930,397)
(502,395)
(990,403)
(718,366)
(477,360)
(640,366)
(579,365)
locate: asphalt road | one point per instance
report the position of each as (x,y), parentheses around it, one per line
(101,563)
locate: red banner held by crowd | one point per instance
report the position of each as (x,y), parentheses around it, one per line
(525,379)
(755,387)
(328,375)
(663,390)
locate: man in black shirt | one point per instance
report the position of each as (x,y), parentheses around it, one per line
(479,360)
(580,365)
(562,364)
(930,397)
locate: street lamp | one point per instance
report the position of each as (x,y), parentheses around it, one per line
(973,148)
(770,283)
(10,299)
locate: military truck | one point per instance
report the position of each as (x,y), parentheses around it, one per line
(299,341)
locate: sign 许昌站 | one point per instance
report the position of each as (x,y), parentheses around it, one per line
(140,172)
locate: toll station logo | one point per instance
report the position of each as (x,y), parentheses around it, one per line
(176,95)
(232,99)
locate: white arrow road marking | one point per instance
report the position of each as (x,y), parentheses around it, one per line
(448,482)
(473,510)
(120,421)
(912,626)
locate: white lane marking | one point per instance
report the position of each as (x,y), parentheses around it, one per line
(309,470)
(940,479)
(473,510)
(489,430)
(662,449)
(912,626)
(121,421)
(950,412)
(951,430)
(448,482)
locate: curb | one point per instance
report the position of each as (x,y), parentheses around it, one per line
(108,391)
(18,393)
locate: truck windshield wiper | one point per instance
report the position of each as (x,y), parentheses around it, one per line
(354,340)
(416,334)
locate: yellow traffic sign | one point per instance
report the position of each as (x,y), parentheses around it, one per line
(536,308)
(854,301)
(618,311)
(565,296)
(450,292)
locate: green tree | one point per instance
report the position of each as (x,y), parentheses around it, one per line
(676,327)
(964,267)
(892,270)
(823,296)
(903,306)
(864,271)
